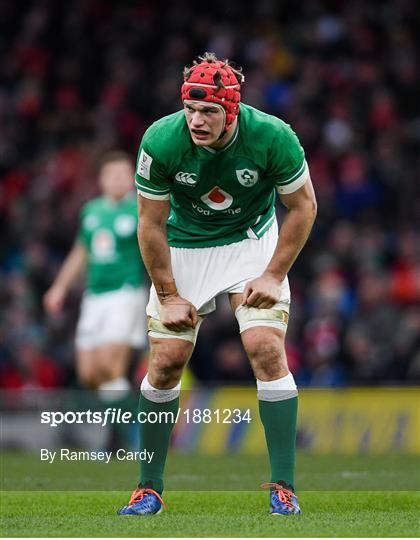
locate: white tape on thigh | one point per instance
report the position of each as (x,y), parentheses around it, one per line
(159,330)
(277,317)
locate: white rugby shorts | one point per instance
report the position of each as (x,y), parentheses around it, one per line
(201,274)
(113,317)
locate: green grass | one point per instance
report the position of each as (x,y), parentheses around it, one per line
(189,472)
(340,496)
(199,514)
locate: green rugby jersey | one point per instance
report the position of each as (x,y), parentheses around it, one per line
(220,196)
(108,231)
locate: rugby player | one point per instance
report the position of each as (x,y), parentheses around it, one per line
(207,178)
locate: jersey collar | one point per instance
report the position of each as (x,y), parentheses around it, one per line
(114,203)
(229,144)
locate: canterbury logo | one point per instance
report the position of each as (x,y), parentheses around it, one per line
(186,178)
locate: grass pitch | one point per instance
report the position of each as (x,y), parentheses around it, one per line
(198,514)
(373,496)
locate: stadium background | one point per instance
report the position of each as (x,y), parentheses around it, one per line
(80,77)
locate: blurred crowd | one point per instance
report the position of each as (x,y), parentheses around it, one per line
(83,76)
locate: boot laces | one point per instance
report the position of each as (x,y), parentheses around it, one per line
(285,495)
(139,494)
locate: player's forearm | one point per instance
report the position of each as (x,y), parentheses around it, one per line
(293,235)
(155,252)
(71,269)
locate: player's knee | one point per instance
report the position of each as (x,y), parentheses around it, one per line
(113,360)
(164,373)
(166,364)
(267,355)
(88,378)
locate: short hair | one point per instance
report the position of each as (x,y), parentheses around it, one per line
(211,58)
(114,155)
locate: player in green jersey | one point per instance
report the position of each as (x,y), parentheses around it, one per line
(112,316)
(207,178)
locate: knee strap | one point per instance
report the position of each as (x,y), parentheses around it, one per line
(159,330)
(277,316)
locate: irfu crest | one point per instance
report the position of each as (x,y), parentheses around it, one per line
(247,177)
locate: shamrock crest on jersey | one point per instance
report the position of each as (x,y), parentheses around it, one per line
(247,177)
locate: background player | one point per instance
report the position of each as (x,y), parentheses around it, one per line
(207,178)
(112,315)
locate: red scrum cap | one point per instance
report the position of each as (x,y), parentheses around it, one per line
(214,81)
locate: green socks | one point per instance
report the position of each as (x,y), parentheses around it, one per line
(278,411)
(278,404)
(157,419)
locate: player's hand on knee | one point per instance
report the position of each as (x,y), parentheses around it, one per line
(262,292)
(178,314)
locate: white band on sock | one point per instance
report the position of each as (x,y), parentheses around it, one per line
(278,390)
(114,390)
(155,394)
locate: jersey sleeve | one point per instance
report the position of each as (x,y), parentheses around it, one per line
(288,168)
(81,237)
(151,178)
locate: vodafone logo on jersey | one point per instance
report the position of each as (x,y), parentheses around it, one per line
(217,199)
